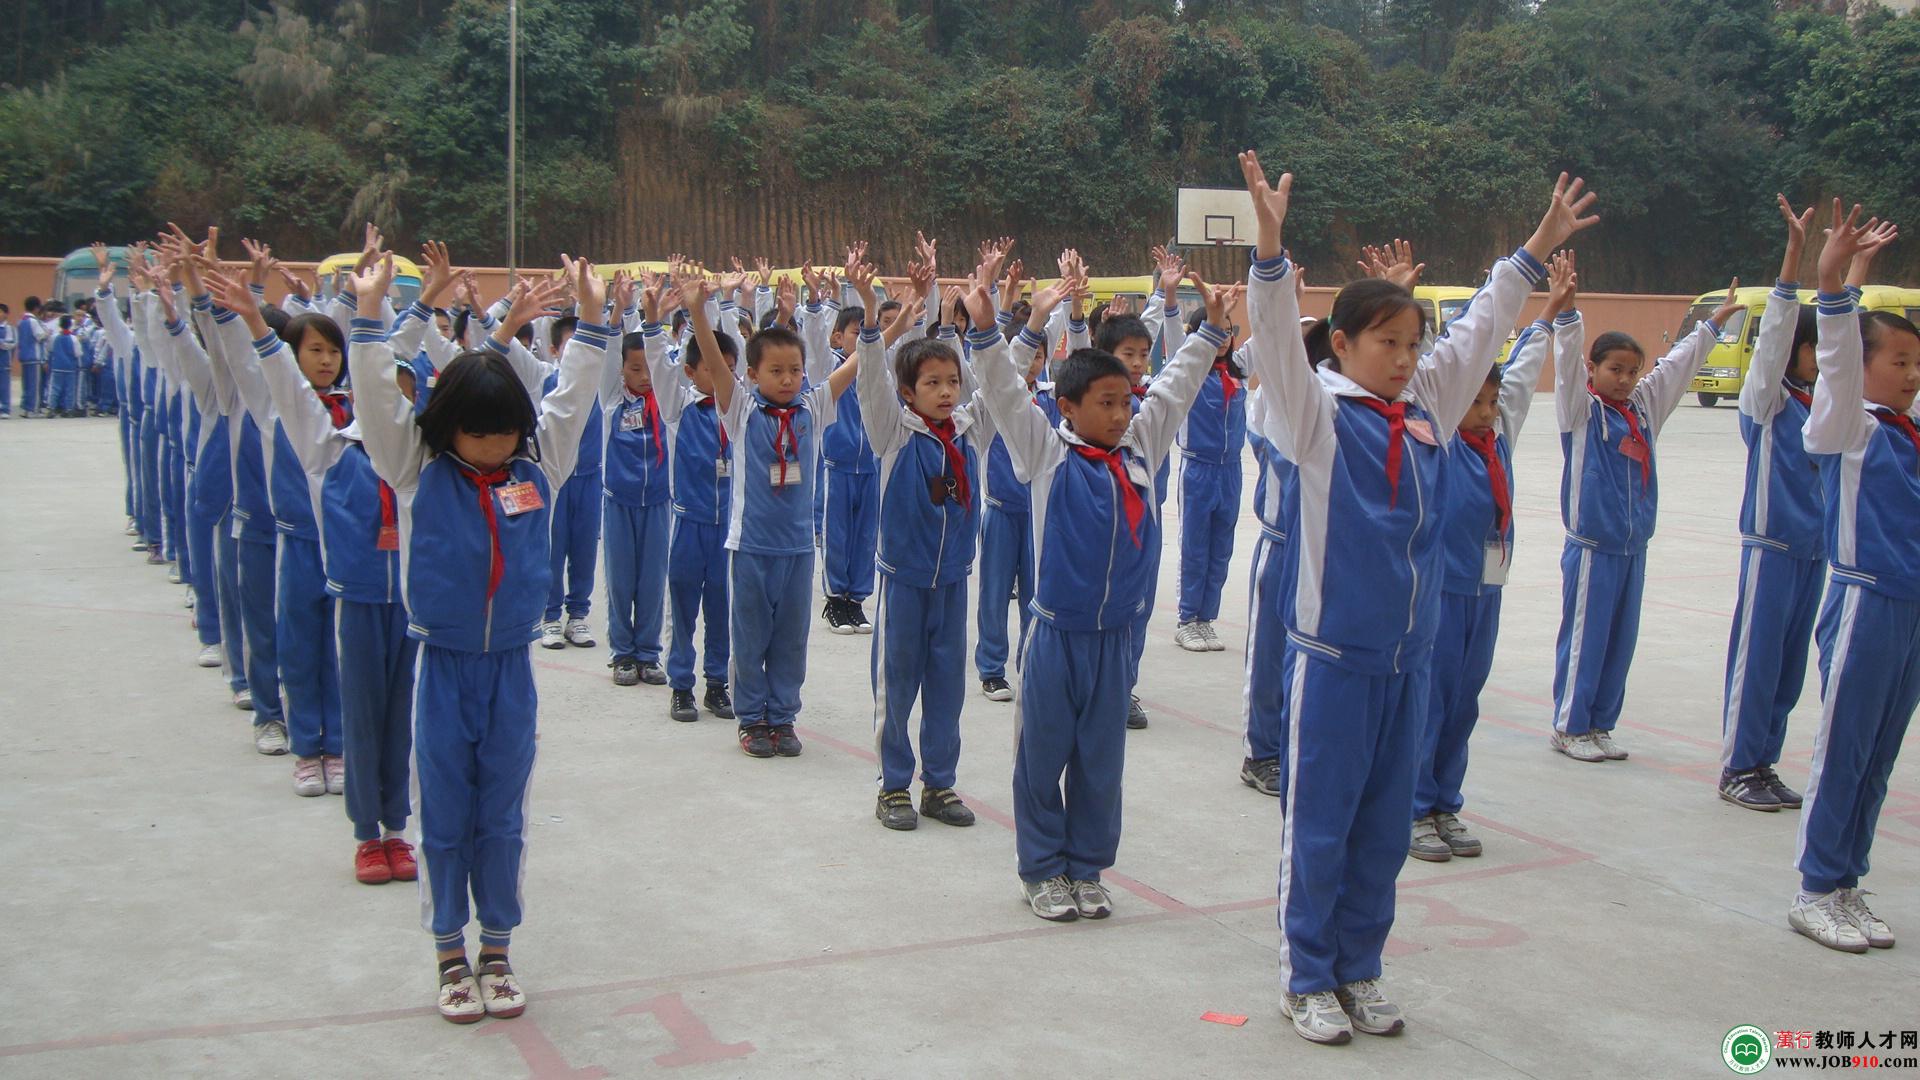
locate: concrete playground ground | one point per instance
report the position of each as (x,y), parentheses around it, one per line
(171,908)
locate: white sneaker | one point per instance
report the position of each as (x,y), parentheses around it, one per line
(243,700)
(1091,900)
(173,573)
(500,992)
(551,636)
(1369,1009)
(577,633)
(1823,919)
(1318,1018)
(307,779)
(1189,636)
(460,999)
(270,738)
(1604,740)
(132,529)
(1853,903)
(187,602)
(1214,644)
(209,656)
(335,771)
(1051,899)
(1577,747)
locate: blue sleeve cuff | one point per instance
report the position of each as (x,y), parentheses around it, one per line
(266,346)
(983,338)
(176,327)
(488,321)
(222,317)
(1030,339)
(1840,303)
(1712,327)
(203,302)
(351,301)
(1567,318)
(1786,290)
(1542,324)
(1076,325)
(419,310)
(1003,319)
(869,334)
(367,331)
(652,329)
(103,292)
(1214,335)
(1855,291)
(258,290)
(1529,266)
(946,332)
(594,335)
(494,344)
(1270,269)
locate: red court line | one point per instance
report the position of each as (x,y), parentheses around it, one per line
(183,613)
(1196,721)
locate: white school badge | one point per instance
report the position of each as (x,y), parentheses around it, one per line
(519,498)
(784,473)
(1421,430)
(633,420)
(1499,558)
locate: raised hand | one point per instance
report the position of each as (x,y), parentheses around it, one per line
(1846,238)
(1269,205)
(102,260)
(370,248)
(260,260)
(1878,236)
(1010,289)
(1563,280)
(1724,311)
(296,284)
(1170,269)
(860,276)
(1566,214)
(589,288)
(439,275)
(786,298)
(370,285)
(762,271)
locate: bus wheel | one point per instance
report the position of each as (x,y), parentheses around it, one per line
(1708,401)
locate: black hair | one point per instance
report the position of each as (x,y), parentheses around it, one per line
(295,331)
(1613,341)
(1121,328)
(443,312)
(561,326)
(66,322)
(1075,375)
(634,342)
(887,307)
(690,353)
(477,393)
(1876,325)
(679,319)
(915,354)
(775,337)
(1360,306)
(524,335)
(1806,331)
(276,319)
(4,309)
(1493,375)
(848,317)
(461,317)
(33,304)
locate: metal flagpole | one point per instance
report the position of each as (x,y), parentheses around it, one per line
(513,130)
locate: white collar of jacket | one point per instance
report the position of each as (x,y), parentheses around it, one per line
(1876,408)
(1341,386)
(628,397)
(962,420)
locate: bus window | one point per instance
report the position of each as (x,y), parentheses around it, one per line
(1913,315)
(1729,333)
(1451,310)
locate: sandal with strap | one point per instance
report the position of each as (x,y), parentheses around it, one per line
(499,991)
(460,994)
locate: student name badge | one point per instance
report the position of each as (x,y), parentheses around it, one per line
(517,499)
(1499,558)
(1137,473)
(1634,449)
(785,473)
(633,420)
(389,539)
(723,466)
(1421,430)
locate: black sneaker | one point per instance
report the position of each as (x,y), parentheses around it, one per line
(1136,716)
(785,742)
(943,805)
(1748,789)
(682,709)
(835,613)
(1262,775)
(653,674)
(996,689)
(857,617)
(895,810)
(626,671)
(1789,798)
(718,702)
(757,740)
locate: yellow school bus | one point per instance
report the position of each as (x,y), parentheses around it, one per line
(1726,367)
(1445,303)
(406,276)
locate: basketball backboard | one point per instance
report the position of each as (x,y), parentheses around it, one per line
(1214,216)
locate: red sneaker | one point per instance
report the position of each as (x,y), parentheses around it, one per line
(400,859)
(370,864)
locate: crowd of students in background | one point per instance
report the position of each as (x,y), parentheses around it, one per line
(381,511)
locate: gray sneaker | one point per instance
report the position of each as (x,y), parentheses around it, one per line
(1604,740)
(1050,899)
(1190,637)
(1136,716)
(1853,904)
(1427,845)
(1459,840)
(1214,644)
(1091,900)
(1577,747)
(1262,775)
(1319,1018)
(1823,919)
(270,738)
(1369,1009)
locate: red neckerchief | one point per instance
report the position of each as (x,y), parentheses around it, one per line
(339,406)
(653,424)
(484,484)
(388,519)
(1228,384)
(956,458)
(1484,445)
(708,403)
(785,437)
(1130,499)
(1901,421)
(1396,415)
(1633,430)
(1140,391)
(1800,395)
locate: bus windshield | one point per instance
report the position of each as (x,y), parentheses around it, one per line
(1728,334)
(1451,310)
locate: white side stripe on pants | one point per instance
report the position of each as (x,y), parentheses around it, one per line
(1737,690)
(1836,672)
(1295,695)
(1576,636)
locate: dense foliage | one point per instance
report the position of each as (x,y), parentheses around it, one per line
(1441,120)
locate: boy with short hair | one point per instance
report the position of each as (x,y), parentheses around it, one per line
(576,520)
(851,512)
(33,361)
